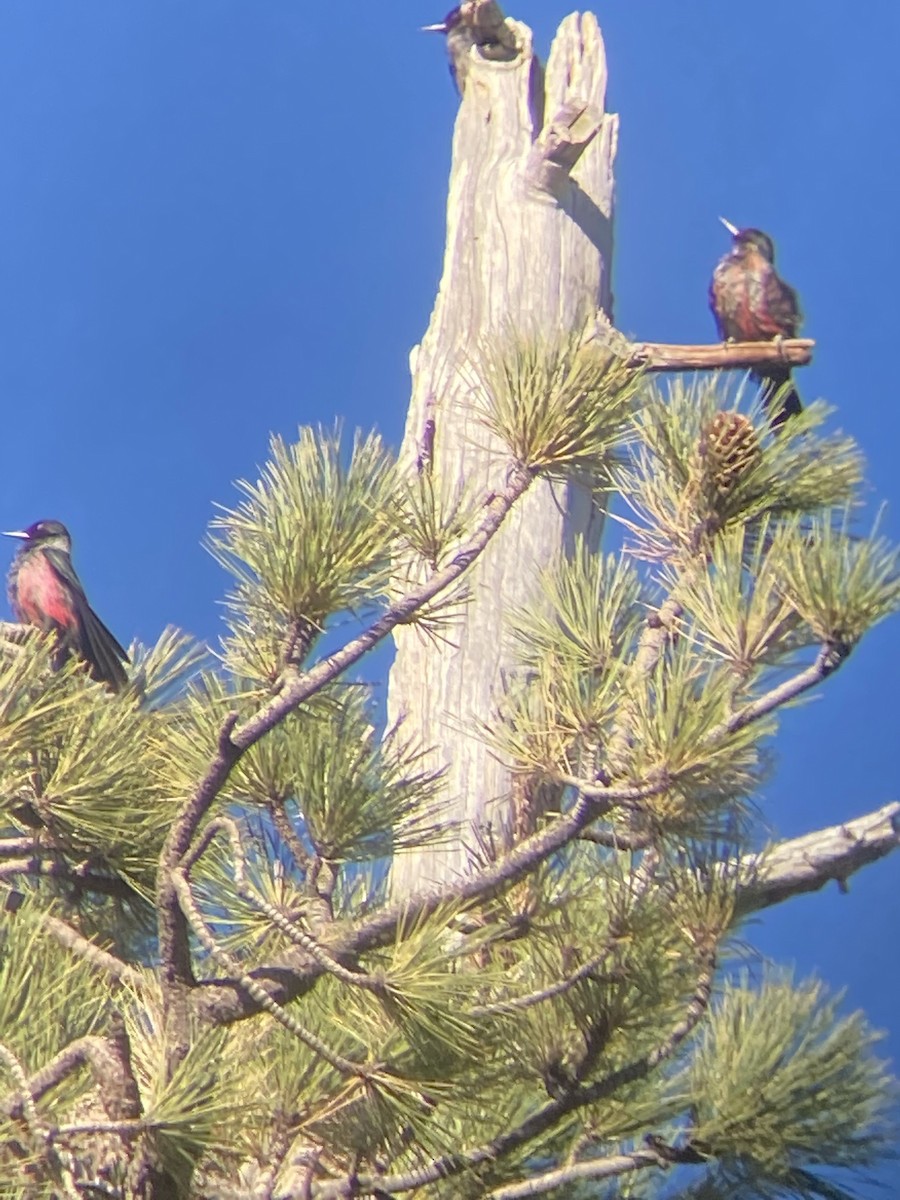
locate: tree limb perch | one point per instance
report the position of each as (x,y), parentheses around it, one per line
(660,356)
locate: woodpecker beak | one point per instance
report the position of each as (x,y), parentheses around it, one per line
(441,28)
(19,533)
(732,229)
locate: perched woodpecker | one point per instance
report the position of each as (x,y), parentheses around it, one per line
(752,303)
(468,25)
(45,591)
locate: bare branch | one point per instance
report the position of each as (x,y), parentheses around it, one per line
(596,1168)
(806,864)
(658,356)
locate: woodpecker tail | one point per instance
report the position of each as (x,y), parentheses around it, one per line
(781,398)
(100,650)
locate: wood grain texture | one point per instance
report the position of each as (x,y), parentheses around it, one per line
(528,250)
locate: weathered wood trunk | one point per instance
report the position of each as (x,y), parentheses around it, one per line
(529,248)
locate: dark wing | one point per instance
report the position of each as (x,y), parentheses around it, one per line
(715,303)
(100,650)
(782,304)
(773,308)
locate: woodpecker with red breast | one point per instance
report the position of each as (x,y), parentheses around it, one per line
(45,591)
(752,303)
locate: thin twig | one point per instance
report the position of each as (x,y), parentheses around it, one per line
(559,988)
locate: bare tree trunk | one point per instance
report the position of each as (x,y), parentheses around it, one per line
(529,248)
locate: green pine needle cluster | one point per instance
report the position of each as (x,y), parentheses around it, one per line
(783,1084)
(310,538)
(561,407)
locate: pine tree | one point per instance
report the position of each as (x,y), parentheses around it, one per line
(211,988)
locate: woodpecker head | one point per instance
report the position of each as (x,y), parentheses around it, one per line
(44,533)
(751,239)
(453,18)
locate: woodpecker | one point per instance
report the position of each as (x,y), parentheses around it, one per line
(752,303)
(45,591)
(469,25)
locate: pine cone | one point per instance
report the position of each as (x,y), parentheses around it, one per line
(732,448)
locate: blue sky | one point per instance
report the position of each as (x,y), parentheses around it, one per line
(220,219)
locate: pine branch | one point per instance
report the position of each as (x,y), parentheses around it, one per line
(802,865)
(279,919)
(78,876)
(640,1068)
(114,967)
(588,970)
(655,636)
(108,1060)
(295,689)
(597,1168)
(253,988)
(219,1002)
(571,1097)
(660,356)
(827,662)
